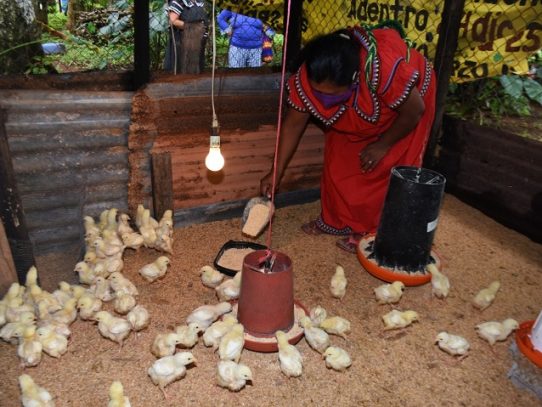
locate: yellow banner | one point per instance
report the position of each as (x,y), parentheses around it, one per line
(495,37)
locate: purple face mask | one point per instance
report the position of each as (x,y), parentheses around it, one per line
(332,100)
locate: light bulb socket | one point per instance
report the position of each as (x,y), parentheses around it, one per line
(214,141)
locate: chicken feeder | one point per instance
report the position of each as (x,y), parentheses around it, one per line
(266,301)
(529,340)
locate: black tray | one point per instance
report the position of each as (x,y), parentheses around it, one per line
(234,244)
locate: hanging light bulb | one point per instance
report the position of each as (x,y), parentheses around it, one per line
(214,160)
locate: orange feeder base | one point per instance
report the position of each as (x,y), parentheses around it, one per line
(525,345)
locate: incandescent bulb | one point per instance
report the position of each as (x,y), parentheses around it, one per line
(214,160)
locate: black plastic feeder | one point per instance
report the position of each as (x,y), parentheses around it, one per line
(409,218)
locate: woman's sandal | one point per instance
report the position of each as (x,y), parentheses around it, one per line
(311,228)
(350,243)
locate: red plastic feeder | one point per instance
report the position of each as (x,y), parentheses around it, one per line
(525,345)
(387,274)
(266,302)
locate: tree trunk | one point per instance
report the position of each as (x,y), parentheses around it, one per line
(41,10)
(74,8)
(19,36)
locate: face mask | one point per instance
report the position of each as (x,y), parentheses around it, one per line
(331,100)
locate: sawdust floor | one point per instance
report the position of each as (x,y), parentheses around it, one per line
(404,369)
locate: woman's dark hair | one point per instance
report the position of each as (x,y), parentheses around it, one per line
(332,57)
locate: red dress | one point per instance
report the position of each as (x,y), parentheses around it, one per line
(352,200)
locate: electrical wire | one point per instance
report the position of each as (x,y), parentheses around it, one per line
(214,124)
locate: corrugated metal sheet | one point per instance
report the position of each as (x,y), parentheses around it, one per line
(70,156)
(495,171)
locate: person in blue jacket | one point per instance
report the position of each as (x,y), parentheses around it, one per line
(246,38)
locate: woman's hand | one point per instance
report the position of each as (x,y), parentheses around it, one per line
(371,155)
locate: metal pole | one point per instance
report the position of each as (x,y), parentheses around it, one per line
(142,59)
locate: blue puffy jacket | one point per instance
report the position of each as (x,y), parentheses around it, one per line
(246,32)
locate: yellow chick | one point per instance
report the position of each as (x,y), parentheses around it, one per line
(164,344)
(12,331)
(113,328)
(54,345)
(88,305)
(111,264)
(454,345)
(68,314)
(210,277)
(57,327)
(124,303)
(317,338)
(31,277)
(14,312)
(29,349)
(164,241)
(132,240)
(139,318)
(439,282)
(337,359)
(229,290)
(338,283)
(123,226)
(494,331)
(389,293)
(147,229)
(101,288)
(85,273)
(103,220)
(188,334)
(233,376)
(205,315)
(485,297)
(232,343)
(139,215)
(111,221)
(117,397)
(168,369)
(336,326)
(90,226)
(167,219)
(63,293)
(213,334)
(155,270)
(38,295)
(104,250)
(33,395)
(396,319)
(317,315)
(291,362)
(121,284)
(79,291)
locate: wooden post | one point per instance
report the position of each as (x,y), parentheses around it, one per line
(142,59)
(192,48)
(444,62)
(8,274)
(293,21)
(11,209)
(162,183)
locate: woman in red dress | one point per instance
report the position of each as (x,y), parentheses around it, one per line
(375,99)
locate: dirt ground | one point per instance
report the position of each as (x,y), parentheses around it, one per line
(402,368)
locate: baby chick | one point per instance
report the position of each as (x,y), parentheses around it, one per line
(123,226)
(336,326)
(233,376)
(338,283)
(85,272)
(121,284)
(317,315)
(396,319)
(164,240)
(164,344)
(210,277)
(33,395)
(188,334)
(117,397)
(88,305)
(291,362)
(124,303)
(101,288)
(170,368)
(57,327)
(53,344)
(139,318)
(229,289)
(63,293)
(205,315)
(12,331)
(439,282)
(90,225)
(494,331)
(132,240)
(29,349)
(31,277)
(147,229)
(113,328)
(485,297)
(389,293)
(455,345)
(155,270)
(337,359)
(213,334)
(317,338)
(68,314)
(231,344)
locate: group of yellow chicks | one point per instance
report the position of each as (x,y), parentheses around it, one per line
(491,331)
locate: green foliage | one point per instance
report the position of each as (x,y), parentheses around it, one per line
(57,20)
